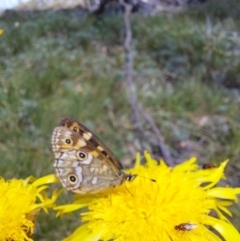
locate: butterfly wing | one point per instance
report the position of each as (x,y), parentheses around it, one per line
(101,151)
(79,167)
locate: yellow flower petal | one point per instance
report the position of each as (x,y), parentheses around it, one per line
(187,165)
(46,180)
(84,234)
(225,210)
(213,177)
(149,160)
(68,208)
(224,192)
(225,229)
(138,160)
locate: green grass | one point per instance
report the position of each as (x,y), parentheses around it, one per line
(57,64)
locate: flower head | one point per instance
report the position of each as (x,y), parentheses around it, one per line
(176,206)
(20,203)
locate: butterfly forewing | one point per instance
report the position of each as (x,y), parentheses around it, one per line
(93,141)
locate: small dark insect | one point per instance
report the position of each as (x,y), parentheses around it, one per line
(208,166)
(186,226)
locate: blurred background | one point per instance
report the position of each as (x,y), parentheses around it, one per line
(66,59)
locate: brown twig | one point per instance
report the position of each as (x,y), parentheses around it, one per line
(135,106)
(129,69)
(161,145)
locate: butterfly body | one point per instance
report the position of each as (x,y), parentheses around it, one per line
(82,162)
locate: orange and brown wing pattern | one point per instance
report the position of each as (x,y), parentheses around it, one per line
(96,146)
(82,162)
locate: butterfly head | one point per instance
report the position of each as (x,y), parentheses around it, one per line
(129,177)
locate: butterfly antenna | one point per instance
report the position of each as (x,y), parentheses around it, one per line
(150,179)
(131,177)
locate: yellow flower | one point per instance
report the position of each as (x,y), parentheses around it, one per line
(20,202)
(1,31)
(177,206)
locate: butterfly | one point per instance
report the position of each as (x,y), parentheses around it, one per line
(82,162)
